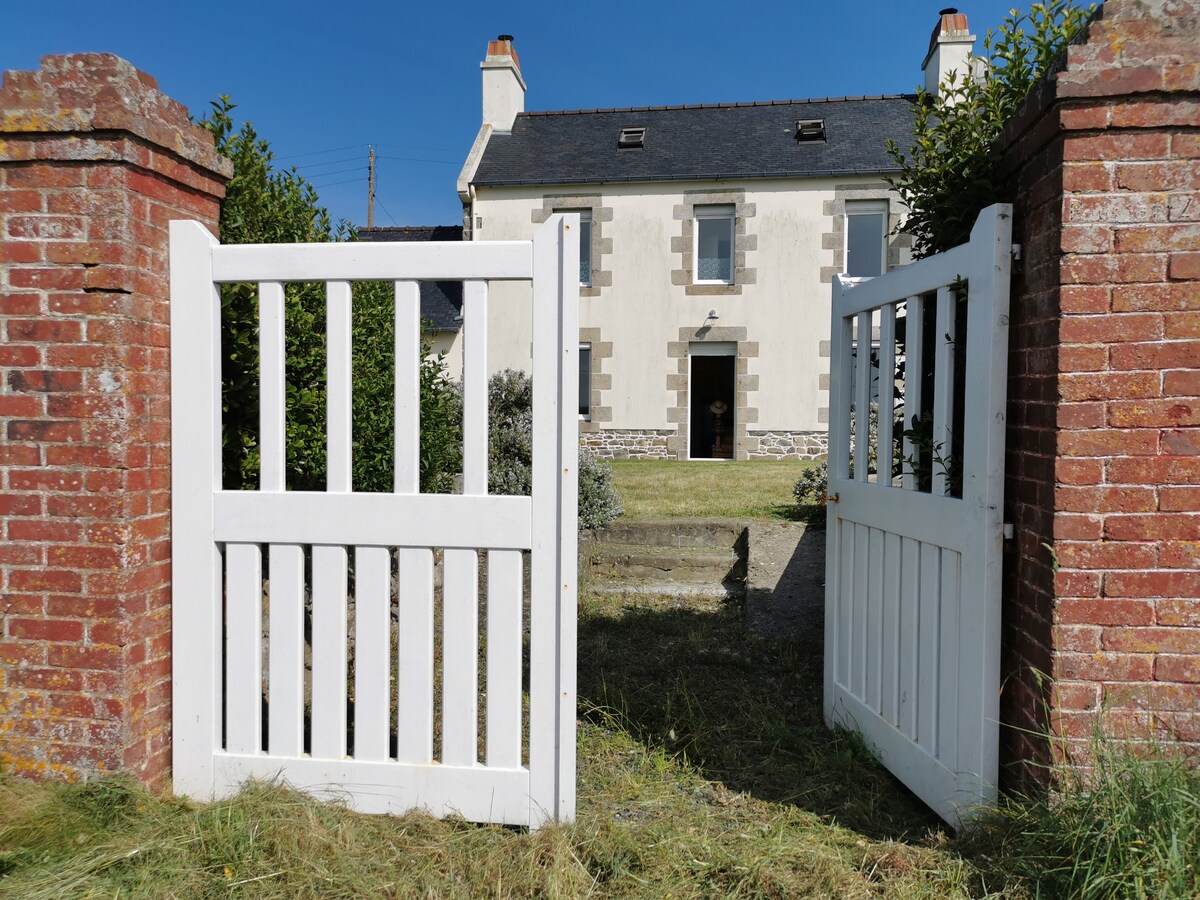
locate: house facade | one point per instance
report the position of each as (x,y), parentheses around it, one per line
(710,236)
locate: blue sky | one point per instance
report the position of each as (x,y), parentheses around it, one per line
(321,81)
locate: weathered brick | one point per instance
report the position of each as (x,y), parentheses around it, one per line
(1170,667)
(1097,611)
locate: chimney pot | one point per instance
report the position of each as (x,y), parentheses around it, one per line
(948,11)
(509,37)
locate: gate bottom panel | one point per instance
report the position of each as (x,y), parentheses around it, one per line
(477,793)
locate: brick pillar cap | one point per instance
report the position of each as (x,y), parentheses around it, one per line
(82,92)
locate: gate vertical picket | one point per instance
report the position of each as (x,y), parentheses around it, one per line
(224,539)
(913,568)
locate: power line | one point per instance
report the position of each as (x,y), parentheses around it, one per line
(444,162)
(332,162)
(419,147)
(338,172)
(385,209)
(320,152)
(336,183)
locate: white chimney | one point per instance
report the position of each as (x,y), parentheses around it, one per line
(503,86)
(949,46)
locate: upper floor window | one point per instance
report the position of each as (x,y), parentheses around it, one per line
(585,248)
(714,245)
(585,381)
(866,237)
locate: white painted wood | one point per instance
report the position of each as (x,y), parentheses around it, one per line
(505,586)
(943,390)
(423,520)
(460,658)
(272,387)
(477,794)
(933,623)
(875,619)
(196,643)
(243,648)
(217,531)
(475,389)
(555,520)
(359,261)
(286,634)
(329,583)
(337,385)
(414,678)
(887,369)
(372,652)
(862,398)
(408,387)
(914,336)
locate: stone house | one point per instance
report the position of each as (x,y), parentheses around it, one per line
(710,237)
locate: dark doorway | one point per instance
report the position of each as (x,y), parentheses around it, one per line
(712,411)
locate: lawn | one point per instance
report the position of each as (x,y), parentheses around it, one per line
(667,489)
(704,771)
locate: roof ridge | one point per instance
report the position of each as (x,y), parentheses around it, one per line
(736,105)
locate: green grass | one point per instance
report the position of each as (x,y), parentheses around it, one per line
(666,489)
(704,771)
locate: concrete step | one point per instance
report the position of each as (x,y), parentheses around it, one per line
(666,589)
(723,534)
(624,562)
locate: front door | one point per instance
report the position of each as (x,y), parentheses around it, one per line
(711,413)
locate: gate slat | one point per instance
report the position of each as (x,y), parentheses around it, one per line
(862,398)
(337,386)
(887,386)
(475,388)
(286,668)
(408,387)
(505,586)
(272,391)
(372,651)
(910,580)
(858,641)
(243,648)
(928,653)
(460,658)
(943,390)
(914,350)
(329,577)
(890,663)
(948,674)
(874,624)
(414,667)
(845,618)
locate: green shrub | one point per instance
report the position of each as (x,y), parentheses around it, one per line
(510,452)
(266,205)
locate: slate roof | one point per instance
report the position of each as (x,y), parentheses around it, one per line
(441,301)
(701,142)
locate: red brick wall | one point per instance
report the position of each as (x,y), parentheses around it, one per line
(1104,464)
(94,161)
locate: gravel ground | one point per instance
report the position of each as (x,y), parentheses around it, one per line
(785,584)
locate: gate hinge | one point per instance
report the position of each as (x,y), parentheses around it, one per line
(832,498)
(1016,251)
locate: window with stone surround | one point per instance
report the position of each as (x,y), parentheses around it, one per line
(714,245)
(585,381)
(866,237)
(703,237)
(594,247)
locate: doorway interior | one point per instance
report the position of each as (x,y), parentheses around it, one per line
(711,410)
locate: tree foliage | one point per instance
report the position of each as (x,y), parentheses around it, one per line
(264,204)
(955,166)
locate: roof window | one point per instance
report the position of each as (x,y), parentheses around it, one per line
(631,137)
(810,130)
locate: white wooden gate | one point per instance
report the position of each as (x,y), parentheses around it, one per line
(221,539)
(913,566)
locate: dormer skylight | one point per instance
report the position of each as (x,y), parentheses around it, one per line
(810,130)
(630,138)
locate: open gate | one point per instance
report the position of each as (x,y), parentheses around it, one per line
(236,717)
(915,531)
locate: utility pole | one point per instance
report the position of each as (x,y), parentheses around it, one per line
(371,187)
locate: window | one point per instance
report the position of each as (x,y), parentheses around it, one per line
(585,381)
(810,130)
(714,245)
(585,247)
(631,139)
(866,237)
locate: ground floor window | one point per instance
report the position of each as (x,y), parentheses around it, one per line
(585,381)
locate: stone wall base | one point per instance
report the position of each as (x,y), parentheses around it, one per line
(629,443)
(788,444)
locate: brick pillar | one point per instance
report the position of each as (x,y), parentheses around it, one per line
(94,161)
(1104,457)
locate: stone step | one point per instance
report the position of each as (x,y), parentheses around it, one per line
(623,562)
(713,534)
(667,589)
